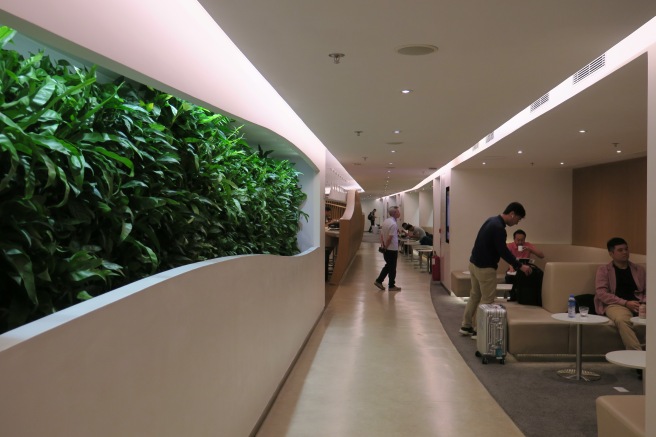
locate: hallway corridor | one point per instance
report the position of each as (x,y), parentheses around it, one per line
(380,364)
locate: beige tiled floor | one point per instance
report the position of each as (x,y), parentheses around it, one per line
(380,364)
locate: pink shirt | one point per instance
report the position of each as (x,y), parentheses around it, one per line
(606,284)
(515,251)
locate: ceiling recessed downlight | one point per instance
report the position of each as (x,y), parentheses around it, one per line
(406,91)
(416,49)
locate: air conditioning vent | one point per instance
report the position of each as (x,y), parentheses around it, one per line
(489,137)
(589,69)
(539,102)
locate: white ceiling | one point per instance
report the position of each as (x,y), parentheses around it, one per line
(495,58)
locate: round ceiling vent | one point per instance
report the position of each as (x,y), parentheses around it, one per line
(416,49)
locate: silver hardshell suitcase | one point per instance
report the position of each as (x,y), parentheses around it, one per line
(491,332)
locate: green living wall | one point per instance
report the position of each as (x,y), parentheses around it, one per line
(105,184)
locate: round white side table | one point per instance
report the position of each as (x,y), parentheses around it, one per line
(577,373)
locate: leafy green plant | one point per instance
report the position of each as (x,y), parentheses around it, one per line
(104,184)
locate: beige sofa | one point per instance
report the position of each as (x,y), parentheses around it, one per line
(533,332)
(621,415)
(460,283)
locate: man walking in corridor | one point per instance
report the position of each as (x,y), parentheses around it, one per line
(389,242)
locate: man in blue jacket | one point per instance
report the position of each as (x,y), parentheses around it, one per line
(489,247)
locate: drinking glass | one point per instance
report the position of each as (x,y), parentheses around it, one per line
(584,311)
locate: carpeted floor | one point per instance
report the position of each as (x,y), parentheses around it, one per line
(541,403)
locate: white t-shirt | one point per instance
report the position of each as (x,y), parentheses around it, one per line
(388,228)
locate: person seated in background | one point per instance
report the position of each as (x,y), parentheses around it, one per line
(620,288)
(330,221)
(416,232)
(522,249)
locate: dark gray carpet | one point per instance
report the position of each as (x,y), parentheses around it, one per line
(541,403)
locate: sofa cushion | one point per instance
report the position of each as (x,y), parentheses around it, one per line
(564,278)
(531,330)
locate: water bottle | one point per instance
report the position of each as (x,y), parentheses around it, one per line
(571,306)
(642,311)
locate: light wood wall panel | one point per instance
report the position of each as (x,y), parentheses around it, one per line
(610,200)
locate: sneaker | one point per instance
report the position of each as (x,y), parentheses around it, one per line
(394,289)
(473,336)
(379,285)
(467,331)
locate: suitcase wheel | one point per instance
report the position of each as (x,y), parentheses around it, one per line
(478,354)
(502,361)
(484,360)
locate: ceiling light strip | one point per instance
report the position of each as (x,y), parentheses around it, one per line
(615,58)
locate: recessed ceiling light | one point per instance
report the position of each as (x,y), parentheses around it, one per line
(393,151)
(582,131)
(562,163)
(391,163)
(416,49)
(406,91)
(520,152)
(485,163)
(389,171)
(336,57)
(397,131)
(618,151)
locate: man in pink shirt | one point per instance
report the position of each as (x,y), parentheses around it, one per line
(521,248)
(620,289)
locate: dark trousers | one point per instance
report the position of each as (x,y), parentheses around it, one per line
(373,223)
(390,257)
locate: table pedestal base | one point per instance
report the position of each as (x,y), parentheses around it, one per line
(585,375)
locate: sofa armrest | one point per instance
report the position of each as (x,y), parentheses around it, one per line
(621,415)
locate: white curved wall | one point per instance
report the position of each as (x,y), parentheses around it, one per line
(198,350)
(202,352)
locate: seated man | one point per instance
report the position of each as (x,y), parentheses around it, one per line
(328,214)
(620,289)
(521,249)
(416,232)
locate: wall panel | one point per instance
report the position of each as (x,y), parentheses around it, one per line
(610,200)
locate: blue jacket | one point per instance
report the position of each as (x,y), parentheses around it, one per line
(490,245)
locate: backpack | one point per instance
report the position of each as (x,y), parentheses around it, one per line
(370,216)
(528,289)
